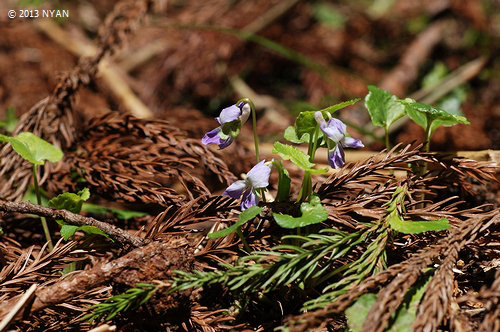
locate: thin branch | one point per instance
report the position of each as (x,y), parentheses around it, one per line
(75,219)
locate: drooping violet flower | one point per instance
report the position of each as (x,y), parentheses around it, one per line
(336,140)
(230,119)
(257,178)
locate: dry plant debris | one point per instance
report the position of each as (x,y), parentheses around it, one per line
(158,166)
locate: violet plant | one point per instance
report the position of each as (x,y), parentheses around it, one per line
(311,128)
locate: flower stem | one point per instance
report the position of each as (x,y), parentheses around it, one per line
(39,201)
(243,240)
(254,122)
(314,145)
(255,137)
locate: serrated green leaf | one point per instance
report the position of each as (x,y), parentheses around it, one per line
(288,152)
(334,108)
(84,194)
(33,149)
(397,223)
(312,213)
(423,113)
(356,314)
(383,107)
(68,231)
(245,216)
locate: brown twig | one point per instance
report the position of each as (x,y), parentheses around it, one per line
(74,219)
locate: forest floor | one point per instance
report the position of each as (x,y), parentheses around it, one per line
(128,89)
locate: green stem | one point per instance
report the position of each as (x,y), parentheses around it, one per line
(306,188)
(243,240)
(39,201)
(254,122)
(428,136)
(315,144)
(387,143)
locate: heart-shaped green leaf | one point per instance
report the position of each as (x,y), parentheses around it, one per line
(312,213)
(245,216)
(33,148)
(383,107)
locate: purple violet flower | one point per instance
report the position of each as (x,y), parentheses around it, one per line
(336,140)
(230,119)
(257,178)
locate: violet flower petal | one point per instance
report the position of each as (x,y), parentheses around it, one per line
(258,176)
(229,114)
(249,199)
(336,157)
(236,189)
(334,129)
(350,142)
(212,137)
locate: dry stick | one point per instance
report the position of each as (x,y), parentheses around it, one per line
(23,301)
(75,219)
(354,156)
(110,73)
(401,76)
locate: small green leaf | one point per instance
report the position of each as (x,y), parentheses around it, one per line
(33,148)
(69,201)
(291,136)
(383,107)
(423,113)
(312,213)
(356,314)
(414,227)
(10,123)
(68,231)
(93,230)
(120,214)
(299,158)
(245,216)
